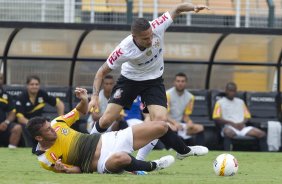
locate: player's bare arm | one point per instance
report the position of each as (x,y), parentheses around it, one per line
(101,73)
(82,106)
(61,167)
(186,7)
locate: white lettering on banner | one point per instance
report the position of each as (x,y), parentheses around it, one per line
(103,48)
(263,99)
(57,94)
(200,98)
(36,47)
(171,50)
(184,50)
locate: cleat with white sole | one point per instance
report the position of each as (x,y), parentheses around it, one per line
(164,162)
(195,151)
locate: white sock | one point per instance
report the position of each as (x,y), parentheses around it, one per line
(94,130)
(143,152)
(12,146)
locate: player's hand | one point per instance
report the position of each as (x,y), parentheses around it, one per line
(3,127)
(81,93)
(59,166)
(172,127)
(240,126)
(93,104)
(179,126)
(198,8)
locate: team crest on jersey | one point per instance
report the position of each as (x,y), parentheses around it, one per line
(156,43)
(65,131)
(40,100)
(118,93)
(149,53)
(5,96)
(27,104)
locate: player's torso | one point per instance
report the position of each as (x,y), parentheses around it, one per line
(143,65)
(232,110)
(103,102)
(66,138)
(4,103)
(178,103)
(33,108)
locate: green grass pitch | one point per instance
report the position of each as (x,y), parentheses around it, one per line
(20,166)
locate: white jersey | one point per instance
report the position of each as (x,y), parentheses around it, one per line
(103,102)
(232,110)
(179,105)
(142,65)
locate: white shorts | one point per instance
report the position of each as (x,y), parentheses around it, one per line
(183,133)
(242,132)
(114,142)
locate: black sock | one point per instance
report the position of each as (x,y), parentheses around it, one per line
(99,129)
(171,139)
(263,144)
(200,138)
(227,144)
(139,165)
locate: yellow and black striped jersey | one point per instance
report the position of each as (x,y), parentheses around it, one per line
(72,147)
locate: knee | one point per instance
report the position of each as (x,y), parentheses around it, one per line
(17,129)
(159,117)
(200,128)
(228,133)
(160,126)
(261,134)
(121,159)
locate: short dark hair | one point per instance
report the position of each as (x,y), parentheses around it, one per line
(31,77)
(139,25)
(231,85)
(34,124)
(108,77)
(181,74)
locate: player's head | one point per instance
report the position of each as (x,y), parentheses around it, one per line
(33,84)
(108,83)
(142,32)
(40,129)
(180,81)
(230,90)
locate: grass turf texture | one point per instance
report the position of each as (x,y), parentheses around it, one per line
(20,166)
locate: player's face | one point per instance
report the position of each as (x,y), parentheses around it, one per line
(33,86)
(47,132)
(180,83)
(108,85)
(230,93)
(144,38)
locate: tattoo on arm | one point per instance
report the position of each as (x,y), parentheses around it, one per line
(103,70)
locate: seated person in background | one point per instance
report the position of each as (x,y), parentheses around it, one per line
(134,114)
(63,150)
(180,106)
(231,112)
(10,132)
(31,103)
(104,95)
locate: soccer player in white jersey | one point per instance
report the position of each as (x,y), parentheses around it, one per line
(140,56)
(233,114)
